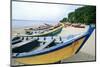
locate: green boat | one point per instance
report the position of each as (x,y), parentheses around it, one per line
(45,32)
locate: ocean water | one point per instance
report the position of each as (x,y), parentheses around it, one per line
(23,23)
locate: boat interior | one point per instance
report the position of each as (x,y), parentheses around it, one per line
(34,43)
(31,45)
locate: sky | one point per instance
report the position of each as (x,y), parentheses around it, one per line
(41,11)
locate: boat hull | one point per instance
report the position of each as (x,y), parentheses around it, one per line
(52,56)
(49,33)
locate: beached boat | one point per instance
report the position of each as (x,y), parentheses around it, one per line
(44,32)
(50,49)
(76,25)
(67,24)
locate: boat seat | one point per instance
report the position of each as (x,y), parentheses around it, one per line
(26,47)
(15,38)
(16,41)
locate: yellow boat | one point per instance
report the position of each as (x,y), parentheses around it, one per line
(49,32)
(54,53)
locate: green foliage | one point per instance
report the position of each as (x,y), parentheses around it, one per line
(64,20)
(86,14)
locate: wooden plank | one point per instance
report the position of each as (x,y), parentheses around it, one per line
(22,43)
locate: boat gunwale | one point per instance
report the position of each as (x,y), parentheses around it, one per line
(44,52)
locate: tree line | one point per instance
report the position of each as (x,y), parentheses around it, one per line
(84,15)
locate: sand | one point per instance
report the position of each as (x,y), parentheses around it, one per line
(71,30)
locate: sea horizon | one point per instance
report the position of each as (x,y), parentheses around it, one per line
(17,23)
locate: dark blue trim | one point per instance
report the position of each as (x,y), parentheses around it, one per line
(87,36)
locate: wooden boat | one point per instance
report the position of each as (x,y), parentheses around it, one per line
(46,32)
(67,24)
(79,26)
(76,25)
(51,51)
